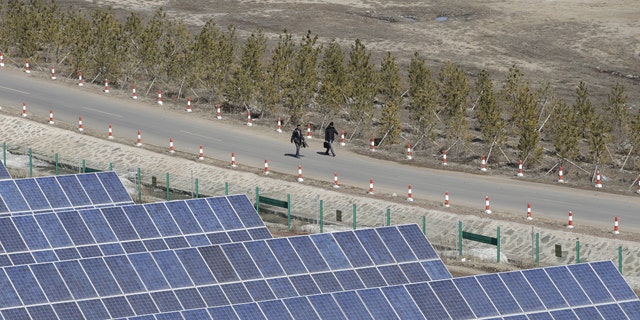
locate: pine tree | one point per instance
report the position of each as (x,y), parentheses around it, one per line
(584,108)
(526,112)
(104,54)
(565,133)
(390,124)
(618,112)
(362,84)
(488,111)
(390,90)
(304,76)
(454,93)
(277,81)
(423,93)
(242,86)
(333,80)
(509,93)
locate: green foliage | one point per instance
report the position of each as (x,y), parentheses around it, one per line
(243,85)
(104,50)
(78,43)
(488,111)
(584,108)
(362,84)
(277,80)
(618,112)
(565,132)
(423,91)
(333,78)
(304,76)
(510,91)
(390,90)
(454,93)
(598,138)
(526,111)
(390,124)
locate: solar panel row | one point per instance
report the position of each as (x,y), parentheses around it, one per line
(31,195)
(4,173)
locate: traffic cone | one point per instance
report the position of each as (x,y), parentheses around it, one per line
(638,191)
(27,68)
(51,116)
(372,145)
(309,131)
(409,156)
(53,73)
(342,143)
(335,180)
(139,142)
(529,217)
(598,181)
(110,132)
(444,157)
(279,128)
(80,83)
(570,224)
(159,97)
(134,96)
(266,166)
(233,160)
(446,199)
(249,124)
(483,165)
(1,59)
(300,173)
(370,187)
(560,175)
(106,85)
(410,194)
(487,206)
(24,115)
(171,150)
(520,174)
(218,113)
(615,226)
(80,124)
(201,154)
(188,104)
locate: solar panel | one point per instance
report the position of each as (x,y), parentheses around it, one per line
(4,173)
(43,194)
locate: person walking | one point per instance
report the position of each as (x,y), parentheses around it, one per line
(298,139)
(329,135)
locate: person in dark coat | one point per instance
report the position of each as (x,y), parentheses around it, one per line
(329,135)
(298,139)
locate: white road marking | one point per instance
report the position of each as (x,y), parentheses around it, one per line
(108,113)
(199,135)
(11,89)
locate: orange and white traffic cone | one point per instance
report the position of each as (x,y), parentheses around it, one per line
(80,124)
(372,145)
(335,180)
(560,175)
(24,115)
(53,73)
(218,113)
(483,165)
(519,174)
(171,150)
(446,199)
(410,194)
(159,100)
(300,173)
(201,154)
(409,156)
(615,226)
(598,180)
(487,206)
(266,166)
(139,142)
(106,85)
(370,186)
(189,105)
(27,68)
(249,124)
(1,59)
(80,81)
(570,223)
(638,191)
(233,160)
(444,157)
(279,127)
(134,95)
(342,143)
(51,116)
(309,131)
(529,216)
(110,136)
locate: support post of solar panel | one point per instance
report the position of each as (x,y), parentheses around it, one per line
(321,220)
(388,217)
(577,251)
(57,164)
(354,217)
(30,163)
(168,190)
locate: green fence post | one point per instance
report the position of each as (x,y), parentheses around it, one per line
(537,249)
(4,153)
(168,190)
(30,163)
(388,217)
(84,166)
(226,188)
(139,186)
(460,237)
(257,200)
(424,225)
(321,219)
(498,245)
(196,188)
(289,210)
(620,259)
(110,166)
(57,164)
(354,217)
(577,251)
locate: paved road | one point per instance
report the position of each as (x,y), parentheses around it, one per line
(252,145)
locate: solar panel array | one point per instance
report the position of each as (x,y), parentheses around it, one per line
(76,247)
(56,193)
(4,174)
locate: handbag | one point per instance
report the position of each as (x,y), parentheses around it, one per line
(326,145)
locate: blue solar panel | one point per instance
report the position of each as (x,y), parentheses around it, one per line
(522,291)
(451,298)
(398,247)
(427,301)
(371,277)
(54,192)
(304,285)
(588,313)
(545,288)
(377,304)
(590,283)
(275,309)
(74,190)
(616,285)
(568,286)
(331,251)
(327,282)
(475,296)
(259,290)
(114,187)
(12,196)
(94,189)
(353,249)
(16,314)
(287,256)
(225,213)
(4,173)
(499,294)
(393,275)
(32,193)
(309,254)
(326,307)
(374,245)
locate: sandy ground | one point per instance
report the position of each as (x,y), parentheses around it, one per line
(517,234)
